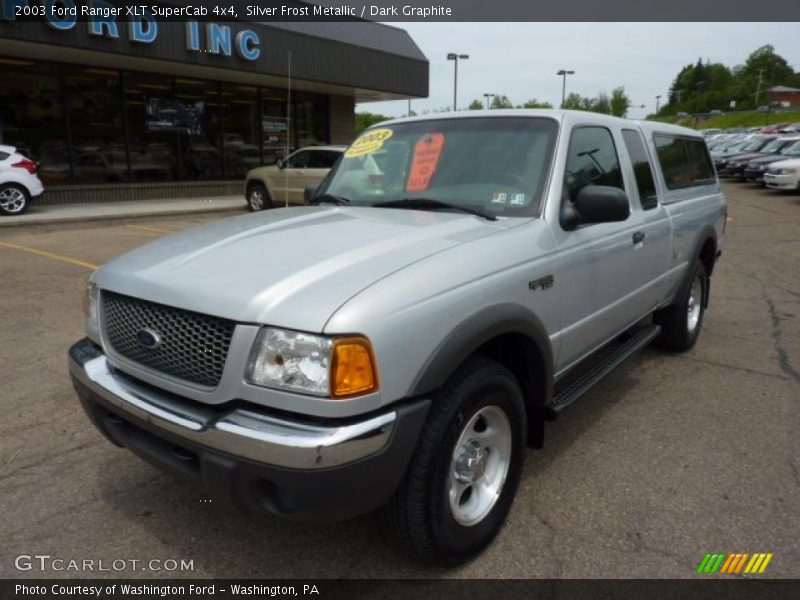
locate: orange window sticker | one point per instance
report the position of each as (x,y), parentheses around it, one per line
(423,164)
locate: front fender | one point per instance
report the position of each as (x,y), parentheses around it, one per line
(475,331)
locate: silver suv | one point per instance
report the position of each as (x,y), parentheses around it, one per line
(402,339)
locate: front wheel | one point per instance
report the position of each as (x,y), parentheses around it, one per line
(464,474)
(681,322)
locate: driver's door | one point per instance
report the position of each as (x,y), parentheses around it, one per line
(601,273)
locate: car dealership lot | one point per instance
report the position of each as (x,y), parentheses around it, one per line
(669,458)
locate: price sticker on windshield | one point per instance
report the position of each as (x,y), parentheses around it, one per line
(368,143)
(423,164)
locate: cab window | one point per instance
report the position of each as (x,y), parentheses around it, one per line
(592,160)
(642,169)
(684,161)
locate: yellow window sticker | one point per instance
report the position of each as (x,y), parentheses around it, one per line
(368,143)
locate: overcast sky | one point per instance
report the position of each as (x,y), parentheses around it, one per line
(521,59)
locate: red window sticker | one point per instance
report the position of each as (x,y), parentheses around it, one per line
(423,164)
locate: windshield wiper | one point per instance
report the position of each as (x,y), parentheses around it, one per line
(329,199)
(431,204)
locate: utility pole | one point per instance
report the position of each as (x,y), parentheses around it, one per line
(758,89)
(658,101)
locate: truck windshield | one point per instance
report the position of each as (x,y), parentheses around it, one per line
(494,165)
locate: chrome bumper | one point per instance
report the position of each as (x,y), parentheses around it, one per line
(242,433)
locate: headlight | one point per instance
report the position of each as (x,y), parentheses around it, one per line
(91,322)
(337,367)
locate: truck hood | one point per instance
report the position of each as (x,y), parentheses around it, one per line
(290,267)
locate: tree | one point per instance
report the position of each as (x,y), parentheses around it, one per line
(574,102)
(534,103)
(501,101)
(367,119)
(476,105)
(620,102)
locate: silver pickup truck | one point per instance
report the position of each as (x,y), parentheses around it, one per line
(455,282)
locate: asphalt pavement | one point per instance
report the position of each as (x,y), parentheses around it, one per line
(671,457)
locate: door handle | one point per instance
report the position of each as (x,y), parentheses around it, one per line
(638,237)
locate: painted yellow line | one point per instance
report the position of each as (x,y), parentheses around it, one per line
(53,255)
(151,229)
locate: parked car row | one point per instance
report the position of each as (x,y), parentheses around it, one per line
(771,159)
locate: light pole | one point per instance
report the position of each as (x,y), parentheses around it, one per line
(563,73)
(455,58)
(487,96)
(658,103)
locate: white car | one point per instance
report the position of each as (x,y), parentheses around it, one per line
(783,175)
(19,183)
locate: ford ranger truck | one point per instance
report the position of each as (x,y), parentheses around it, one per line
(402,339)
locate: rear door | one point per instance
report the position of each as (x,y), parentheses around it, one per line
(656,227)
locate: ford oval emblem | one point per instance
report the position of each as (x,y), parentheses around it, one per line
(148,338)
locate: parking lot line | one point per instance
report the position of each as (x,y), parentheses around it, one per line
(152,229)
(53,255)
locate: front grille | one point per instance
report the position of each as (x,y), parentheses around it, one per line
(193,346)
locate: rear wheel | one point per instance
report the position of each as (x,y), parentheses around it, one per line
(464,474)
(258,197)
(14,199)
(681,322)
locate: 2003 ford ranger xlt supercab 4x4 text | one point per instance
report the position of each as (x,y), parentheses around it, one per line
(403,338)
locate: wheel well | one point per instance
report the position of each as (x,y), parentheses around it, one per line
(254,182)
(520,355)
(708,254)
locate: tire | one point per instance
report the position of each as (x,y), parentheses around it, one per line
(258,197)
(681,322)
(480,398)
(14,199)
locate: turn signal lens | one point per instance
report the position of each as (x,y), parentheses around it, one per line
(352,368)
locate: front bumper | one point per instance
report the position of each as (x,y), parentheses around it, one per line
(247,458)
(754,175)
(782,182)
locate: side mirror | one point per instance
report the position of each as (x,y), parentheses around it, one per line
(595,204)
(309,192)
(280,163)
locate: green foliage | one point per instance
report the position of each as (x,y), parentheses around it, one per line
(476,105)
(620,102)
(367,119)
(534,103)
(706,86)
(501,101)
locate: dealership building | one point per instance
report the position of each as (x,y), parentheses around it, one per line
(151,109)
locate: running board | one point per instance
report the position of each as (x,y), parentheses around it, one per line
(582,384)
